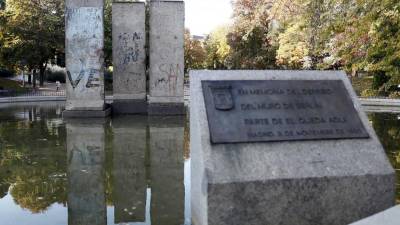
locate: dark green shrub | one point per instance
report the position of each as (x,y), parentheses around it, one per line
(55,73)
(379,80)
(6,73)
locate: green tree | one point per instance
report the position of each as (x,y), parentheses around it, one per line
(383,53)
(31,31)
(252,36)
(293,48)
(195,54)
(217,48)
(367,34)
(304,38)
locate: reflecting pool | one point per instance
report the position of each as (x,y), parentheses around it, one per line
(387,127)
(125,170)
(128,170)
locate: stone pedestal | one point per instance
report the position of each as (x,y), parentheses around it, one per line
(311,182)
(166,159)
(129,172)
(166,58)
(86,173)
(129,57)
(84,42)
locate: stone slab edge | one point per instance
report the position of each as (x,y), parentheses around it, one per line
(129,106)
(388,217)
(87,114)
(166,109)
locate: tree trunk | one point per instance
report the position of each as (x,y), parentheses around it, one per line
(42,71)
(30,78)
(34,78)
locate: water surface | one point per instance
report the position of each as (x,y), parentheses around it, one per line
(125,170)
(128,170)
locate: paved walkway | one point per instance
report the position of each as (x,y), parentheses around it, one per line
(369,104)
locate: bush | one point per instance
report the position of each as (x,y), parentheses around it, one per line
(6,73)
(12,85)
(55,73)
(379,80)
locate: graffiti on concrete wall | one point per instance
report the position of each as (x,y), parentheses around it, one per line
(128,48)
(84,47)
(170,74)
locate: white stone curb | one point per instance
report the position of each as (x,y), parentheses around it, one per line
(388,217)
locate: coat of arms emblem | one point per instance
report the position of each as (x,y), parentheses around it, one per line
(222,96)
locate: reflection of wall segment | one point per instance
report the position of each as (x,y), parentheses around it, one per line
(166,55)
(129,55)
(84,36)
(129,172)
(86,158)
(166,157)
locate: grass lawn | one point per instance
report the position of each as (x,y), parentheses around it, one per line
(10,85)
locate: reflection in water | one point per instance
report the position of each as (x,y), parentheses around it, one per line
(86,159)
(387,127)
(32,153)
(125,171)
(166,157)
(136,163)
(31,112)
(129,168)
(147,163)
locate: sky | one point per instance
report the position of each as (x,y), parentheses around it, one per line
(202,16)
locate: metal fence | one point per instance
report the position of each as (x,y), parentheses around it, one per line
(31,93)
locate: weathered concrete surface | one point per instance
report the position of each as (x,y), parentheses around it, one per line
(129,172)
(332,182)
(84,43)
(166,159)
(167,109)
(166,52)
(129,107)
(84,3)
(129,56)
(388,217)
(86,158)
(87,113)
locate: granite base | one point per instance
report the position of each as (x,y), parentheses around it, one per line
(87,113)
(123,107)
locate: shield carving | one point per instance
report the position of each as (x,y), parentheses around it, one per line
(223,99)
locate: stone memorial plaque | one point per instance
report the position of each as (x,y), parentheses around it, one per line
(280,110)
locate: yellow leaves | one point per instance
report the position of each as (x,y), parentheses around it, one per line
(293,48)
(218,38)
(397,157)
(195,54)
